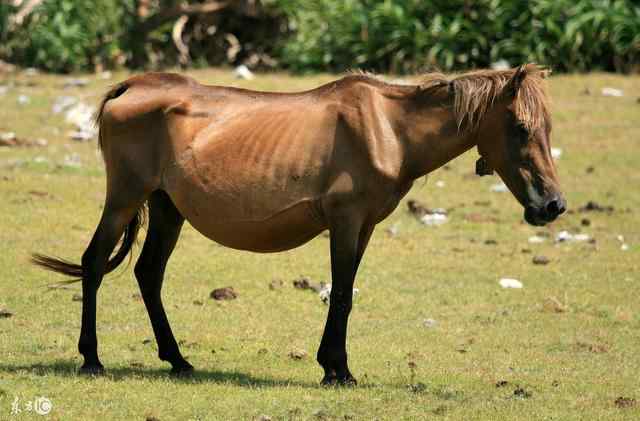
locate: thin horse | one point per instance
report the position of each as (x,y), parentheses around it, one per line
(267,172)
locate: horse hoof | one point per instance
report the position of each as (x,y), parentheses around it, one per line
(91,370)
(333,380)
(182,370)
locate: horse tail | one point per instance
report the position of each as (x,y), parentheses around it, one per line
(75,270)
(112,93)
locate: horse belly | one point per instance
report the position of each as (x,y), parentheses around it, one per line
(283,231)
(250,214)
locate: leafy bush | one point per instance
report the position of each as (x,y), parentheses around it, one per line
(319,35)
(67,35)
(407,35)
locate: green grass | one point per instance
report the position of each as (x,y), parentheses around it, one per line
(574,364)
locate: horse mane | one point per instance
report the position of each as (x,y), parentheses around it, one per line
(475,92)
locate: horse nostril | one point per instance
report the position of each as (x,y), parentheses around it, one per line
(555,207)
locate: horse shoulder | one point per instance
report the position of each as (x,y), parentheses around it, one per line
(365,112)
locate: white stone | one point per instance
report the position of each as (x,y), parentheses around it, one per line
(510,283)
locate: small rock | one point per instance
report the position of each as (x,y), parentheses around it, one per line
(417,208)
(536,239)
(593,206)
(226,293)
(23,99)
(276,284)
(305,283)
(440,184)
(302,283)
(429,323)
(5,314)
(607,91)
(566,236)
(325,293)
(510,283)
(298,354)
(624,247)
(243,72)
(540,260)
(434,219)
(76,297)
(521,393)
(75,83)
(8,139)
(556,153)
(623,402)
(393,230)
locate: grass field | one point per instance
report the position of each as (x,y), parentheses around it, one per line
(565,347)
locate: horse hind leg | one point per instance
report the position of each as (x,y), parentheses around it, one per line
(165,223)
(119,216)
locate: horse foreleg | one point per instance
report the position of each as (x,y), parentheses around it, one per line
(165,223)
(349,239)
(115,218)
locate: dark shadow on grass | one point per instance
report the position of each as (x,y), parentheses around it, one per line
(62,368)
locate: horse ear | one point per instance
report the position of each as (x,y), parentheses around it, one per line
(516,81)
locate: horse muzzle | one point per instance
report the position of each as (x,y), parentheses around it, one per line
(548,212)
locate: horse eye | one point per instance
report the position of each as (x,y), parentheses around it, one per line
(523,132)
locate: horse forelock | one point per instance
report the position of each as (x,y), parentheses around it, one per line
(476,91)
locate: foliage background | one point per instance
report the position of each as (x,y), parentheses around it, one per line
(319,35)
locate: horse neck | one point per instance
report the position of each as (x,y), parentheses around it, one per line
(430,134)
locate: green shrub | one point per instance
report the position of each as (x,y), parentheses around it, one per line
(382,35)
(408,35)
(68,35)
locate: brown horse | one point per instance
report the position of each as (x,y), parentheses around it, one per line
(267,172)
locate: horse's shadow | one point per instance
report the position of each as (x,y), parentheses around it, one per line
(63,368)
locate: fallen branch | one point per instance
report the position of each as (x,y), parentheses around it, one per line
(169,14)
(176,34)
(20,16)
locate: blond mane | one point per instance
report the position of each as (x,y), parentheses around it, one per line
(476,91)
